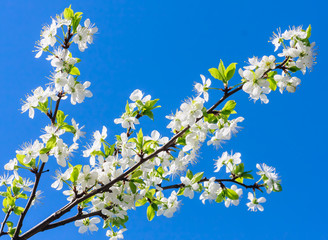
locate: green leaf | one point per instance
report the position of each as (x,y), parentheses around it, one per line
(189,174)
(140,138)
(9,224)
(240,180)
(18,210)
(75,71)
(247,176)
(181,191)
(273,84)
(76,22)
(308,31)
(278,189)
(75,173)
(136,174)
(51,142)
(149,114)
(197,177)
(231,194)
(215,73)
(222,70)
(229,106)
(60,117)
(68,128)
(219,198)
(150,212)
(68,13)
(230,71)
(133,187)
(141,202)
(44,150)
(294,69)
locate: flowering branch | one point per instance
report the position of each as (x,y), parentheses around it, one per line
(130,172)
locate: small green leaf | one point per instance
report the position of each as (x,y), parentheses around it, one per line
(189,174)
(222,70)
(75,174)
(197,177)
(44,150)
(230,71)
(68,13)
(215,73)
(308,31)
(273,84)
(219,198)
(75,71)
(294,69)
(181,191)
(60,117)
(18,210)
(68,128)
(133,187)
(231,194)
(150,212)
(248,176)
(149,114)
(141,202)
(136,174)
(229,106)
(51,142)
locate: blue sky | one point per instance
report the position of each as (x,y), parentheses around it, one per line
(161,47)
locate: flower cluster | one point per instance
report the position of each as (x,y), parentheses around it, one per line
(260,77)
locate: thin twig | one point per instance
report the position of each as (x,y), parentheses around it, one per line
(4,222)
(29,202)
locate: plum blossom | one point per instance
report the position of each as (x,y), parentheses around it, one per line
(87,224)
(203,88)
(254,203)
(228,160)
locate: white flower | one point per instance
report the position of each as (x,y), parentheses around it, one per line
(48,34)
(78,133)
(51,130)
(31,151)
(39,96)
(77,90)
(87,224)
(267,62)
(6,179)
(254,203)
(84,35)
(170,206)
(211,191)
(115,235)
(203,88)
(137,95)
(228,160)
(58,184)
(189,187)
(127,121)
(25,184)
(254,85)
(87,178)
(37,197)
(277,39)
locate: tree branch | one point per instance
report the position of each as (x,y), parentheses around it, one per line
(30,200)
(4,222)
(253,186)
